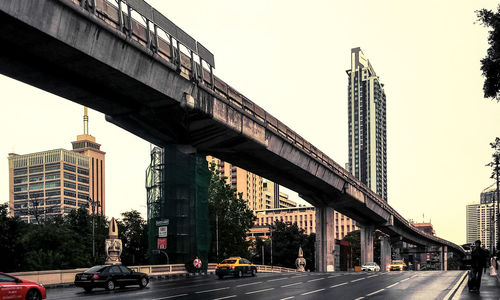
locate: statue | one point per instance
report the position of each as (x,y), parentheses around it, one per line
(300,262)
(113,248)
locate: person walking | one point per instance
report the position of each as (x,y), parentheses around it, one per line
(479,263)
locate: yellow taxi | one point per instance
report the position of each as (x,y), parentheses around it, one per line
(235,266)
(397,265)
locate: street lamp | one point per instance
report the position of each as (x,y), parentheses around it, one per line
(95,204)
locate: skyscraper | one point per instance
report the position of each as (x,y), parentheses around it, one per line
(367,124)
(481,220)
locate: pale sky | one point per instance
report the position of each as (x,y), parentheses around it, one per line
(290,58)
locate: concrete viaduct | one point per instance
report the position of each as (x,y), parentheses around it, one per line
(154,80)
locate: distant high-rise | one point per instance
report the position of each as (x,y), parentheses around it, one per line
(481,220)
(367,124)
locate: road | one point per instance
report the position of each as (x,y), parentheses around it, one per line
(354,286)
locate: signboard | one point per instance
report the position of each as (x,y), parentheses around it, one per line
(162,231)
(197,263)
(163,222)
(162,243)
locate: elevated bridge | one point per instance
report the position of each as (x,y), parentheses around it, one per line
(126,60)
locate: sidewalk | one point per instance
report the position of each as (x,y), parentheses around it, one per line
(490,289)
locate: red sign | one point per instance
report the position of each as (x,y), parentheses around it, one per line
(162,243)
(197,263)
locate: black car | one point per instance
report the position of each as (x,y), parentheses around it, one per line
(110,276)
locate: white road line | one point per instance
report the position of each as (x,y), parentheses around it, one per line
(414,276)
(291,284)
(359,298)
(169,297)
(340,284)
(392,285)
(299,276)
(405,280)
(358,279)
(287,298)
(333,276)
(376,292)
(312,292)
(213,290)
(316,279)
(227,297)
(259,291)
(270,280)
(240,285)
(372,276)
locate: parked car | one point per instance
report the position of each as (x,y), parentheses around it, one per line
(235,266)
(110,276)
(12,287)
(370,266)
(397,265)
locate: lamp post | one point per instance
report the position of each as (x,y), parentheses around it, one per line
(95,204)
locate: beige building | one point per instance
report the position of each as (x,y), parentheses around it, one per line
(273,198)
(304,216)
(54,182)
(246,183)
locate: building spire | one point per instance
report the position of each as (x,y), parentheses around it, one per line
(85,121)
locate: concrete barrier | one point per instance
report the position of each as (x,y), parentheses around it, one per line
(66,277)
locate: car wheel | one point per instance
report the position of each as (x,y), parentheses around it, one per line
(143,282)
(254,272)
(33,295)
(88,289)
(220,276)
(110,285)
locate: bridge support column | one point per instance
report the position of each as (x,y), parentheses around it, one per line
(444,258)
(385,252)
(367,233)
(325,240)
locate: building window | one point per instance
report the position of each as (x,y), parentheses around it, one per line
(21,188)
(68,167)
(36,186)
(82,187)
(69,176)
(83,195)
(37,169)
(37,177)
(52,176)
(69,193)
(50,167)
(69,184)
(22,179)
(52,184)
(20,171)
(69,201)
(83,179)
(83,171)
(52,193)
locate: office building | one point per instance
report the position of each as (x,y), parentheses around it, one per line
(481,220)
(367,124)
(54,182)
(273,198)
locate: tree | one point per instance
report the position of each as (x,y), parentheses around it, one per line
(11,249)
(354,239)
(230,219)
(490,65)
(286,240)
(133,232)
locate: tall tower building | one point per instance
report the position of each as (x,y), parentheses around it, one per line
(367,124)
(482,220)
(86,145)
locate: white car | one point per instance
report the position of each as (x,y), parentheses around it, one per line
(370,266)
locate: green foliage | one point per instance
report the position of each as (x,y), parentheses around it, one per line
(490,65)
(354,239)
(286,240)
(133,231)
(230,219)
(11,249)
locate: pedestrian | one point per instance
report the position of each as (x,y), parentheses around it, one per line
(479,263)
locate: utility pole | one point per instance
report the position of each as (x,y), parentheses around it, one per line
(495,165)
(94,204)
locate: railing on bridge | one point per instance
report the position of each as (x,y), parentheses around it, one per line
(154,32)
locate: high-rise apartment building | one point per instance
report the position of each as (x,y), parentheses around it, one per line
(367,124)
(247,183)
(273,198)
(482,220)
(50,183)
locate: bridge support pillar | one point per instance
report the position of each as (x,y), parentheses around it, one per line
(444,258)
(325,240)
(385,252)
(367,233)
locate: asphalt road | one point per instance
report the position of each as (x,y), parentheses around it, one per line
(393,285)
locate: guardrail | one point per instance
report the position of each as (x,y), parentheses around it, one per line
(58,277)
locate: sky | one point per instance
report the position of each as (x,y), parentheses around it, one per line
(290,58)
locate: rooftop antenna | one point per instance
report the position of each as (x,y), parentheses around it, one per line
(85,121)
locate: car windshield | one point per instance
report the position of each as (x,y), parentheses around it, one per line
(95,269)
(228,261)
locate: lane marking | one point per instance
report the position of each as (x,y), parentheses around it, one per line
(414,276)
(359,298)
(169,297)
(333,276)
(291,284)
(358,279)
(213,290)
(299,276)
(287,298)
(405,279)
(376,292)
(340,284)
(227,297)
(372,276)
(252,283)
(316,279)
(312,292)
(259,291)
(392,285)
(270,280)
